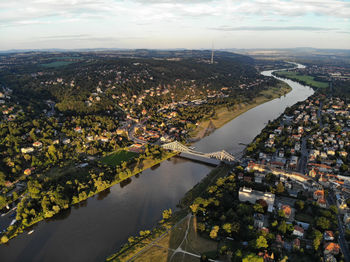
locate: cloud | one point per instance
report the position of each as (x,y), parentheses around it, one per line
(78,37)
(271,28)
(35,11)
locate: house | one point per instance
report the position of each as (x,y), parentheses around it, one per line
(27,171)
(346,218)
(37,144)
(341,203)
(298,231)
(318,194)
(287,211)
(27,150)
(296,243)
(258,177)
(328,235)
(83,165)
(279,240)
(322,202)
(293,162)
(312,172)
(258,220)
(90,138)
(331,248)
(329,258)
(247,179)
(66,141)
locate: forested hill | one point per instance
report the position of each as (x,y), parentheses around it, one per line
(74,79)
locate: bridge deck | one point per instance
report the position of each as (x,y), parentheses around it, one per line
(197,158)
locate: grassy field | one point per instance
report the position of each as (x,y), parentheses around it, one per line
(223,115)
(308,80)
(57,64)
(118,157)
(163,249)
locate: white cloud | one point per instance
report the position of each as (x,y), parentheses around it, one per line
(188,20)
(272,28)
(20,10)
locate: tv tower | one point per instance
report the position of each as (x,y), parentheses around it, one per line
(212,54)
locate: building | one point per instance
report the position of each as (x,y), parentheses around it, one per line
(328,235)
(27,150)
(247,194)
(331,248)
(341,203)
(287,211)
(37,144)
(346,218)
(258,220)
(298,231)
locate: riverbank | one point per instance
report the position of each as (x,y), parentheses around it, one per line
(168,235)
(224,115)
(302,79)
(13,231)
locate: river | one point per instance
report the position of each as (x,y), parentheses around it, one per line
(97,227)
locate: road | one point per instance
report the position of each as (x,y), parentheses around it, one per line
(302,165)
(342,241)
(304,155)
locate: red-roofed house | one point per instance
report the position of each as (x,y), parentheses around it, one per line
(286,210)
(298,231)
(328,235)
(331,248)
(318,194)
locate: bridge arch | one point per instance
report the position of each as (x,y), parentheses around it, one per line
(220,155)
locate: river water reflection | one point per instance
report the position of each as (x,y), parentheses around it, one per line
(97,227)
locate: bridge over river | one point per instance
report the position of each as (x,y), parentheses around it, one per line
(208,158)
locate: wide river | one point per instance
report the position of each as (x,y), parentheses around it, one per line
(98,227)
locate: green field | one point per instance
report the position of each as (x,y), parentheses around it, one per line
(304,79)
(57,64)
(118,157)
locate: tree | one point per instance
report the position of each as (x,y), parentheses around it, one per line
(2,201)
(322,223)
(282,228)
(194,208)
(334,209)
(4,239)
(238,256)
(227,227)
(261,242)
(317,235)
(167,214)
(204,258)
(2,178)
(280,188)
(214,232)
(252,258)
(258,208)
(299,205)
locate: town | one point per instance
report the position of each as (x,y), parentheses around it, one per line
(108,123)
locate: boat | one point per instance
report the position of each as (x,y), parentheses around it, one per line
(192,147)
(31,231)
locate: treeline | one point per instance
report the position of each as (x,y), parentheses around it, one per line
(48,195)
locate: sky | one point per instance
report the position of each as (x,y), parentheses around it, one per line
(164,24)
